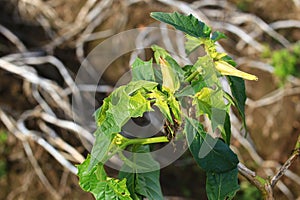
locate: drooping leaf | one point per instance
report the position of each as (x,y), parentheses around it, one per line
(143,177)
(100,147)
(188,24)
(170,78)
(170,69)
(237,86)
(102,187)
(221,186)
(142,70)
(211,154)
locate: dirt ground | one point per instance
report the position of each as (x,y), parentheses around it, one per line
(273,128)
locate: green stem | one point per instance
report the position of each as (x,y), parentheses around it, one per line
(144,141)
(297,146)
(192,76)
(124,142)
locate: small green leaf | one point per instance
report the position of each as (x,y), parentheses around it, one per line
(217,35)
(211,154)
(142,70)
(188,24)
(140,182)
(221,186)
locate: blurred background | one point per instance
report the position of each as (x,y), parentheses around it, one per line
(42,46)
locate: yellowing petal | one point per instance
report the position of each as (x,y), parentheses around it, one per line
(226,69)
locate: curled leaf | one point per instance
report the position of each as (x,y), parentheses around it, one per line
(170,78)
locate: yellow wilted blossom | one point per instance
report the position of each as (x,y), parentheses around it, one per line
(226,69)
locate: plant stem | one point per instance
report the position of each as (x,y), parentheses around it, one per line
(144,141)
(125,142)
(192,76)
(260,183)
(287,164)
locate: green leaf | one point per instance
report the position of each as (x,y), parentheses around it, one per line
(221,186)
(134,86)
(100,113)
(162,103)
(238,90)
(185,92)
(211,154)
(159,52)
(100,147)
(175,107)
(188,24)
(174,65)
(102,187)
(192,44)
(114,189)
(217,35)
(237,86)
(87,178)
(142,70)
(143,177)
(170,71)
(227,128)
(138,104)
(210,96)
(170,78)
(109,125)
(118,108)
